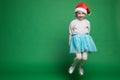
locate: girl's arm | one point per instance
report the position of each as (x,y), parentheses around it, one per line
(70,34)
(88,27)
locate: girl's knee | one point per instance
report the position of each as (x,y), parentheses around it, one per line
(85,56)
(78,56)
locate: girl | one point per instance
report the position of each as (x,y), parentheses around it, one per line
(79,40)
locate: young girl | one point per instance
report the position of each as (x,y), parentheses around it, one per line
(80,40)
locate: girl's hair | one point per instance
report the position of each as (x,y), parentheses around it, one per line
(76,14)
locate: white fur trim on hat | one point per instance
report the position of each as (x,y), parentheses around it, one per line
(81,9)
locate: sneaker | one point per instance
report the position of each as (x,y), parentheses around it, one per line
(71,69)
(81,71)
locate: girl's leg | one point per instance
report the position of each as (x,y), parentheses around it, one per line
(84,58)
(75,61)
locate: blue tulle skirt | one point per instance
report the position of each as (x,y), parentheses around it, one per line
(82,43)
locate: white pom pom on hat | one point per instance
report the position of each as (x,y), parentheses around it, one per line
(83,7)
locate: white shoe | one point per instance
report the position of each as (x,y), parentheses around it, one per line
(81,71)
(71,69)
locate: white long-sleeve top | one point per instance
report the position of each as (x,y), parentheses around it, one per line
(79,27)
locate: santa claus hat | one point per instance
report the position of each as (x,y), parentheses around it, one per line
(83,7)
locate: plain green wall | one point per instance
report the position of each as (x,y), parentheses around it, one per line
(34,40)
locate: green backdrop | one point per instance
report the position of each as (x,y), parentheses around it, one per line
(34,40)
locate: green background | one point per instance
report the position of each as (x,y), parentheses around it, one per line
(34,40)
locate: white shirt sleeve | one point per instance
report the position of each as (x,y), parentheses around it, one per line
(70,32)
(88,27)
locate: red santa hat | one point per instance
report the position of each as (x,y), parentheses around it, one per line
(83,7)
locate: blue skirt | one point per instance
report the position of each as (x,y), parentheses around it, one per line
(82,43)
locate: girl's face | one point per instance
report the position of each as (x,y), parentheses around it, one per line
(80,15)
